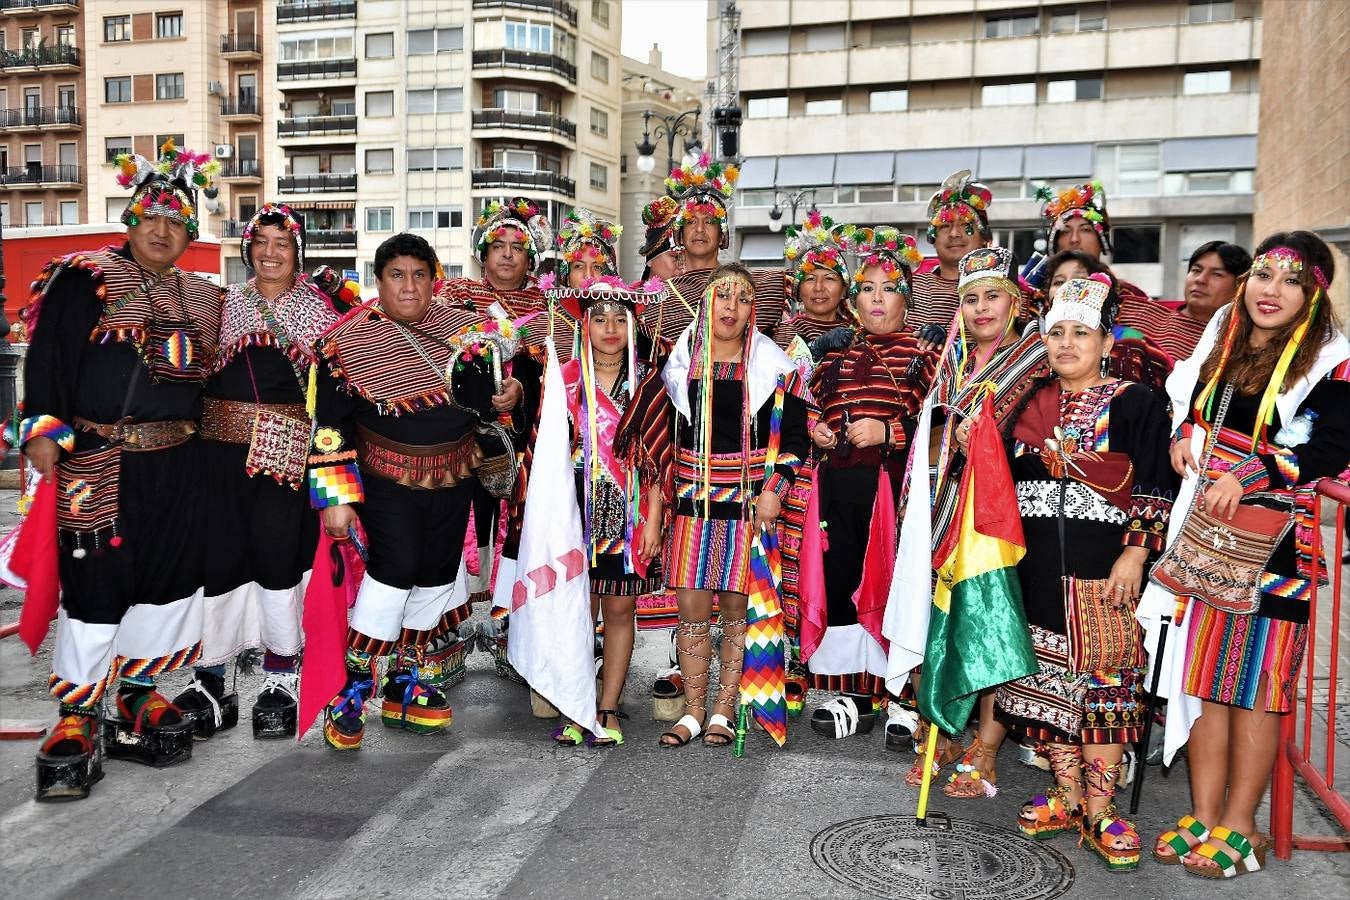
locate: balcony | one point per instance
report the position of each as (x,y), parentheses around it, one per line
(560,8)
(38,7)
(523,120)
(332,182)
(315,10)
(240,46)
(240,109)
(36,176)
(47,118)
(241,171)
(528,181)
(525,60)
(330,239)
(298,70)
(233,228)
(308,126)
(57,58)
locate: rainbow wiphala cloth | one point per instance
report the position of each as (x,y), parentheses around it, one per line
(762,678)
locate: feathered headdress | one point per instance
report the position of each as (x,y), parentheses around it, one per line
(519,214)
(1081,200)
(706,187)
(166,186)
(583,231)
(890,248)
(290,220)
(820,242)
(959,200)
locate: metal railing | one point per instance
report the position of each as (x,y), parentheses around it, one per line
(524,119)
(246,105)
(314,10)
(301,126)
(316,184)
(18,7)
(331,238)
(316,68)
(239,43)
(240,168)
(39,174)
(560,8)
(40,115)
(31,57)
(233,228)
(1317,707)
(541,181)
(525,59)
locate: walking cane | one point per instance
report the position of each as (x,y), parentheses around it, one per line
(1141,749)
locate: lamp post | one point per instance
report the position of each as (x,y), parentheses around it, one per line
(668,127)
(792,200)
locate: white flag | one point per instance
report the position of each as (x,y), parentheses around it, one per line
(552,637)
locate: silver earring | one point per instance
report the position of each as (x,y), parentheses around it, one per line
(1106,363)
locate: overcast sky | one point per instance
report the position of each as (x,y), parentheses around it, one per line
(679,26)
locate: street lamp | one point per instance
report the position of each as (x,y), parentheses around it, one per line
(668,127)
(793,200)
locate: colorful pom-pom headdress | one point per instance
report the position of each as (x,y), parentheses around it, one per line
(584,232)
(1083,300)
(291,220)
(960,200)
(705,187)
(819,242)
(520,215)
(1087,201)
(894,251)
(166,187)
(659,218)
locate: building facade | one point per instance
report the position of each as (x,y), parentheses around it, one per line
(866,105)
(42,113)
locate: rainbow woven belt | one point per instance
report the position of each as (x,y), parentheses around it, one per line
(762,679)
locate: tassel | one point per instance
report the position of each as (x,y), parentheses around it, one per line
(1265,412)
(1204,402)
(312,389)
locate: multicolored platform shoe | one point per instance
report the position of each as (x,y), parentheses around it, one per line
(70,760)
(344,720)
(147,729)
(444,657)
(206,706)
(409,701)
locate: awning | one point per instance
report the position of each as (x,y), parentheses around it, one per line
(757,172)
(762,247)
(1058,161)
(324,204)
(1209,154)
(1000,164)
(810,170)
(865,168)
(933,166)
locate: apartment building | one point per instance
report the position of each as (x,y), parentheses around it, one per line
(42,113)
(866,105)
(648,88)
(411,114)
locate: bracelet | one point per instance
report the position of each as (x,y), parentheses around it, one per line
(887,426)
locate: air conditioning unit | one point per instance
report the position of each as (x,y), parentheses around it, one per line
(224,151)
(214,87)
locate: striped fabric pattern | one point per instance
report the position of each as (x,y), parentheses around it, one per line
(75,694)
(933,300)
(1227,654)
(479,296)
(151,668)
(708,554)
(672,316)
(1174,331)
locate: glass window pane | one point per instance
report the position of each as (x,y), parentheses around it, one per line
(888,101)
(423,101)
(380,46)
(424,41)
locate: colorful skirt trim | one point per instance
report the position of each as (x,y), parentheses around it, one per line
(1226,655)
(1060,706)
(708,554)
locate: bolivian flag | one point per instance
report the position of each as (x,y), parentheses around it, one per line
(977,635)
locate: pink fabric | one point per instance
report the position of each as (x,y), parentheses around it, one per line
(324,620)
(878,562)
(811,574)
(35,561)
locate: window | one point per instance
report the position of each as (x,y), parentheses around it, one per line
(379,218)
(518,101)
(4,214)
(427,218)
(439,159)
(1073,89)
(766,107)
(1193,236)
(435,40)
(1130,169)
(70,212)
(369,277)
(329,46)
(169,87)
(65,35)
(1008,94)
(1201,11)
(825,37)
(599,122)
(112,209)
(435,100)
(600,12)
(1136,244)
(764,41)
(168,25)
(379,162)
(343,106)
(379,104)
(117,28)
(599,177)
(514,160)
(1071,21)
(117,90)
(529,36)
(1213,81)
(1011,26)
(65,155)
(827,106)
(888,34)
(115,145)
(888,101)
(32,214)
(599,67)
(380,46)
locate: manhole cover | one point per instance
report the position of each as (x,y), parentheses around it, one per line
(890,856)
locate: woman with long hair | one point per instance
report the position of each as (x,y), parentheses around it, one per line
(1271,381)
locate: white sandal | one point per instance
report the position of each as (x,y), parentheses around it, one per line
(688,723)
(844,719)
(717,720)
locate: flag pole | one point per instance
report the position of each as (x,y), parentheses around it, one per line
(921,816)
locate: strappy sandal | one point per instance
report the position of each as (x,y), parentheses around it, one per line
(731,660)
(569,735)
(944,757)
(1050,814)
(1106,827)
(1239,855)
(693,643)
(969,781)
(613,736)
(1181,848)
(901,724)
(841,717)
